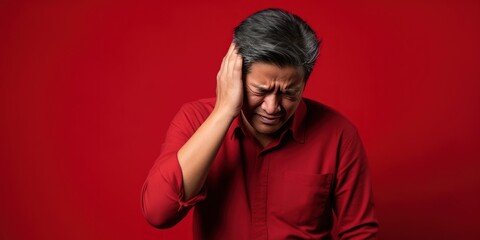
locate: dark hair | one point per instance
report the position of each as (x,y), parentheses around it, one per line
(278,37)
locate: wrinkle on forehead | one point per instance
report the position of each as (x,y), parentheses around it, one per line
(270,76)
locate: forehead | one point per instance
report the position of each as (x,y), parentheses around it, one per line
(268,74)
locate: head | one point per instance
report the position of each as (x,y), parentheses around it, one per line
(279,51)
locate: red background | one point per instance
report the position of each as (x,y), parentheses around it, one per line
(88,89)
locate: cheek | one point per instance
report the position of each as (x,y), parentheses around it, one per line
(253,101)
(290,106)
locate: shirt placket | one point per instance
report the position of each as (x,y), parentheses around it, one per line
(259,197)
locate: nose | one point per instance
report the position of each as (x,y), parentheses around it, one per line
(271,104)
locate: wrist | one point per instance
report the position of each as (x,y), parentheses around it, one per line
(224,114)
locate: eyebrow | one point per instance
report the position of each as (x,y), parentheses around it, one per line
(259,87)
(262,88)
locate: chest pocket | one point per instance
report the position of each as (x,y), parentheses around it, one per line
(304,197)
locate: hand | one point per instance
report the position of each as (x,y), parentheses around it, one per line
(230,84)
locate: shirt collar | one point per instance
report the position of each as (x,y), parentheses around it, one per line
(237,128)
(295,125)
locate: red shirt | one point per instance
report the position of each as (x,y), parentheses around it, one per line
(288,190)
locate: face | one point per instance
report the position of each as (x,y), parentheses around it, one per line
(272,95)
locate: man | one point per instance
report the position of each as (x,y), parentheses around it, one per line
(260,161)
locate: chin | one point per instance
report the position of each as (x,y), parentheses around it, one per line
(261,128)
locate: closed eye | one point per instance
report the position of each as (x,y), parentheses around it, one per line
(257,91)
(291,96)
(290,93)
(260,91)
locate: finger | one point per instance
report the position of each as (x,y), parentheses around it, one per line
(225,59)
(230,60)
(230,50)
(237,68)
(224,66)
(236,62)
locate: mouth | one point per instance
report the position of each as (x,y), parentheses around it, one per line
(269,120)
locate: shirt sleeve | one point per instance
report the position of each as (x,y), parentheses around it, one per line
(162,194)
(353,204)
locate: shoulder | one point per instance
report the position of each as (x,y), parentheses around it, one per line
(194,113)
(205,105)
(323,115)
(327,125)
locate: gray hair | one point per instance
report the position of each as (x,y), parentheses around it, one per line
(278,37)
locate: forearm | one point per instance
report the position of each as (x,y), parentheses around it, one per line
(192,142)
(197,154)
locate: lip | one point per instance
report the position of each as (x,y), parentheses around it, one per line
(270,120)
